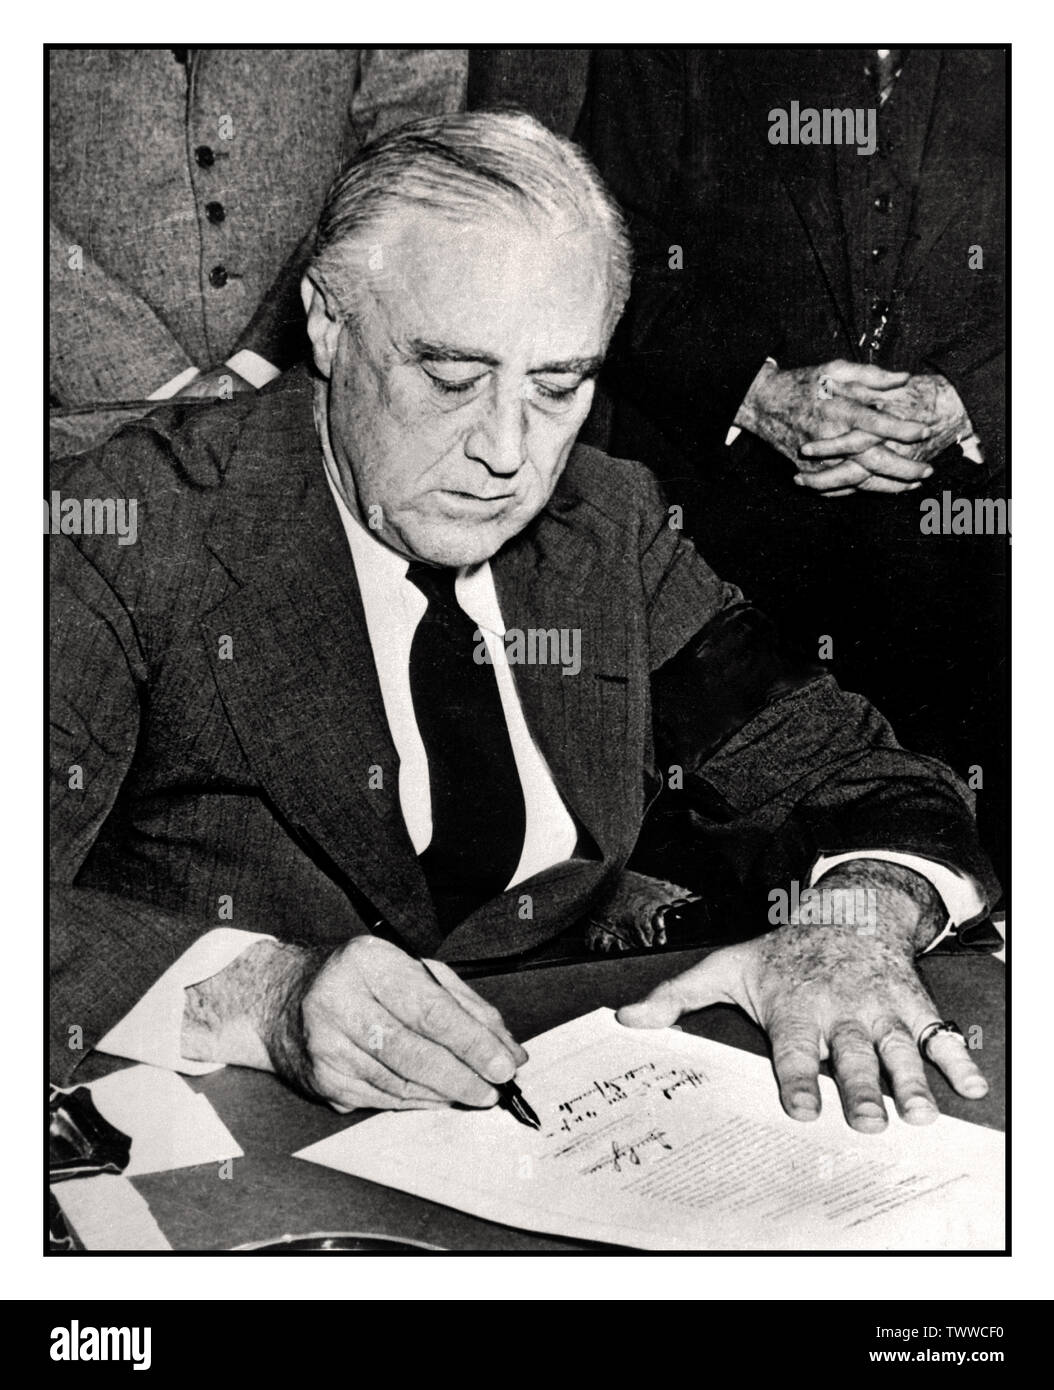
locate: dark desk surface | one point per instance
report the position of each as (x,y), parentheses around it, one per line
(271,1194)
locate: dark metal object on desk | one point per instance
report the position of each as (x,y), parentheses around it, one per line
(60,1238)
(81,1143)
(336,1242)
(691,921)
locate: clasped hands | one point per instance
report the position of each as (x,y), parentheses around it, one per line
(855,427)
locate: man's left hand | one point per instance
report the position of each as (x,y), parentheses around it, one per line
(849,994)
(856,458)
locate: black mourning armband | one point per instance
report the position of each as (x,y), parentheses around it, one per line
(718,682)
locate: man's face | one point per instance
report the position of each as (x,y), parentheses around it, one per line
(456,397)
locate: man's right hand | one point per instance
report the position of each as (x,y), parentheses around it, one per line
(365,1026)
(791,407)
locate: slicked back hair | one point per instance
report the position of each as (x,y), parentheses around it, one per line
(465,166)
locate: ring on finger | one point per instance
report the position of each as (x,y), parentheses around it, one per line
(931,1030)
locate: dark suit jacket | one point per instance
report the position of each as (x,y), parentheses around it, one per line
(214,683)
(773,263)
(776,243)
(550,83)
(164,171)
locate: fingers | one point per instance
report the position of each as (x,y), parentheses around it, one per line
(851,477)
(878,469)
(478,1007)
(866,448)
(882,398)
(796,1059)
(709,982)
(436,1016)
(404,989)
(843,477)
(878,484)
(422,1062)
(907,1075)
(839,445)
(865,374)
(868,452)
(881,423)
(855,1052)
(352,1078)
(375,1017)
(948,1051)
(854,1063)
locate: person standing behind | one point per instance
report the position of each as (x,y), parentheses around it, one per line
(795,297)
(183,182)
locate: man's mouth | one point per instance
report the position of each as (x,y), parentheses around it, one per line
(476,500)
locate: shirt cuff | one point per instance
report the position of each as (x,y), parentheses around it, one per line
(735,431)
(151,1031)
(173,387)
(971,447)
(256,370)
(960,894)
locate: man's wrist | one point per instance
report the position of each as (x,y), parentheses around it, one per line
(285,1035)
(750,413)
(899,905)
(249,1013)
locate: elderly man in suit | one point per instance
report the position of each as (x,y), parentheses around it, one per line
(299,740)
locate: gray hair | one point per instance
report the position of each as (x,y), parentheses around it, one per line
(463,165)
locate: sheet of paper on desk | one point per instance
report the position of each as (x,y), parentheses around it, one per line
(664,1141)
(169,1125)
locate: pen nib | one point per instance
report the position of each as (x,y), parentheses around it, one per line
(519,1107)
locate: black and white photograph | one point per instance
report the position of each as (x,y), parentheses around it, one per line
(528,535)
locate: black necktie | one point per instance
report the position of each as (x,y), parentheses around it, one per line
(478,813)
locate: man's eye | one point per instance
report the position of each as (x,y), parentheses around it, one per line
(452,388)
(556,393)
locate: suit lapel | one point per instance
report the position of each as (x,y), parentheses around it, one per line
(300,687)
(586,724)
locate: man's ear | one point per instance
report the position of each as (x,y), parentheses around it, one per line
(323,324)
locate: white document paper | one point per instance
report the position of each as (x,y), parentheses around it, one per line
(170,1125)
(660,1140)
(107,1213)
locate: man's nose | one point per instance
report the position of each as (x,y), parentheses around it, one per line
(498,437)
